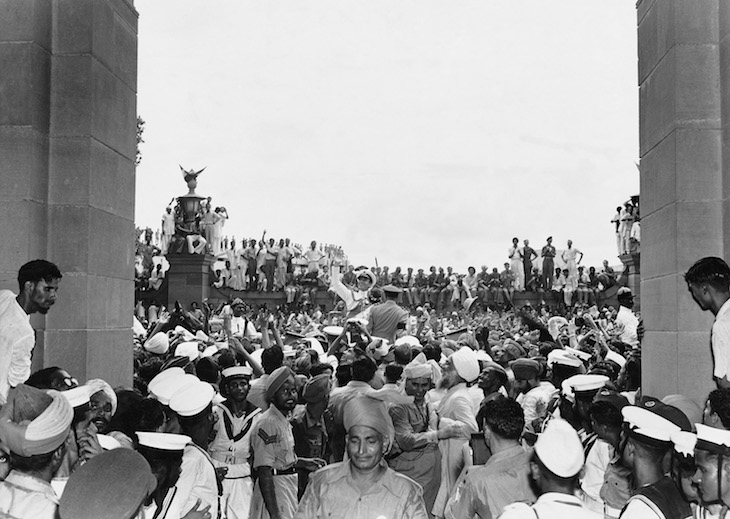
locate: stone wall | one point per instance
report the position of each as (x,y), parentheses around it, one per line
(683,78)
(67,139)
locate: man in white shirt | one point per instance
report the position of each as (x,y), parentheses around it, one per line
(38,282)
(708,280)
(626,319)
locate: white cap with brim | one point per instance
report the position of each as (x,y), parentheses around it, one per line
(77,396)
(188,349)
(466,363)
(563,358)
(164,375)
(179,330)
(192,398)
(711,439)
(483,356)
(163,441)
(559,449)
(164,391)
(650,426)
(582,355)
(684,442)
(201,336)
(334,331)
(209,351)
(237,371)
(587,383)
(615,357)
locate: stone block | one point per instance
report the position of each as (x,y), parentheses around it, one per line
(658,176)
(725,80)
(659,243)
(694,365)
(111,181)
(71,96)
(23,220)
(723,21)
(699,231)
(698,165)
(109,355)
(114,108)
(655,34)
(657,103)
(696,22)
(642,9)
(660,308)
(659,361)
(73,26)
(24,168)
(26,21)
(115,40)
(69,244)
(114,256)
(67,349)
(25,94)
(70,169)
(71,310)
(119,299)
(697,102)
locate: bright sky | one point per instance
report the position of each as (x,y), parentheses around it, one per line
(418,131)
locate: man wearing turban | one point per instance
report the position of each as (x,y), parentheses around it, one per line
(102,404)
(416,451)
(272,442)
(363,486)
(33,429)
(455,409)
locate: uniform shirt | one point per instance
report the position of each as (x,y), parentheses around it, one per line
(332,493)
(534,403)
(721,341)
(594,474)
(16,343)
(552,505)
(311,436)
(233,451)
(385,319)
(197,481)
(22,495)
(272,441)
(487,489)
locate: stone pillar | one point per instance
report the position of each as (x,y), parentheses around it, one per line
(682,80)
(67,138)
(188,279)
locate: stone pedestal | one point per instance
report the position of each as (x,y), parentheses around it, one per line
(684,61)
(67,142)
(188,278)
(632,266)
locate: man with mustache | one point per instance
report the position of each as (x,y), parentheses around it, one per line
(38,284)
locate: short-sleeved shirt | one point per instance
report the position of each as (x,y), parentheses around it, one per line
(552,505)
(487,489)
(272,441)
(332,493)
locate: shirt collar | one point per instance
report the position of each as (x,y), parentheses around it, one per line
(28,482)
(724,308)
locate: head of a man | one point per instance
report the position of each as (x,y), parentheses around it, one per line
(369,433)
(38,282)
(707,279)
(492,377)
(450,377)
(503,419)
(236,387)
(281,390)
(101,410)
(717,409)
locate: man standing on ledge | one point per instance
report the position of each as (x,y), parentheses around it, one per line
(38,283)
(708,280)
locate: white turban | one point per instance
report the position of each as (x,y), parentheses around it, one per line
(159,343)
(43,433)
(466,363)
(418,368)
(96,385)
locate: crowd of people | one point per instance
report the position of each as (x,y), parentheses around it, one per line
(370,412)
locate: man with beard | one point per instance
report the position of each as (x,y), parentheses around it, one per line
(275,462)
(231,447)
(38,284)
(364,486)
(102,404)
(416,452)
(455,409)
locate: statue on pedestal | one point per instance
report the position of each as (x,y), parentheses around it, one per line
(188,237)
